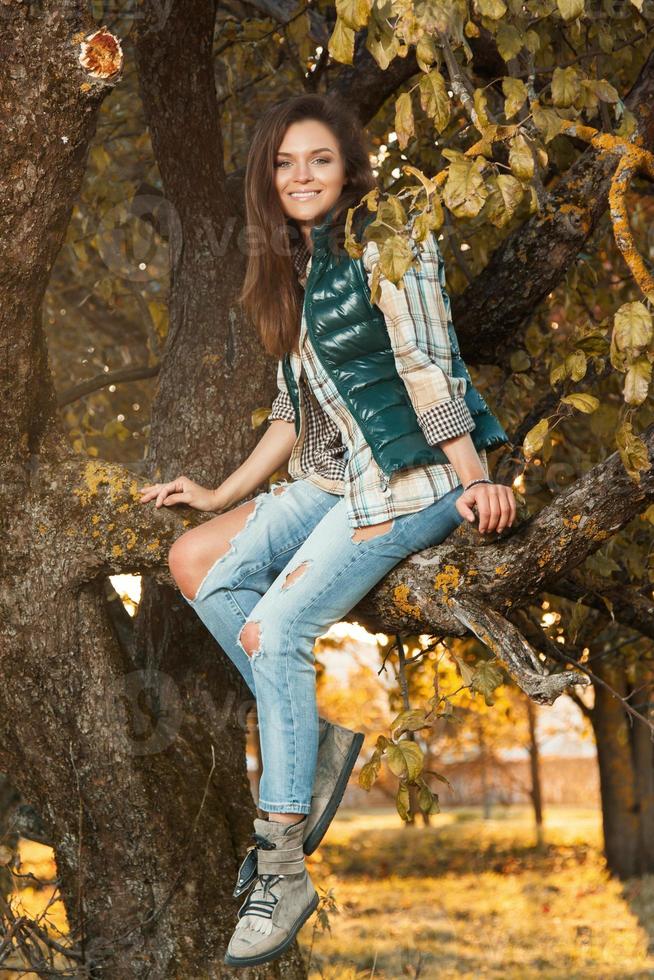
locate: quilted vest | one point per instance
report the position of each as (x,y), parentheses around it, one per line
(351,341)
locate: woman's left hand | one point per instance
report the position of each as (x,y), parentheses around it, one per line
(495,504)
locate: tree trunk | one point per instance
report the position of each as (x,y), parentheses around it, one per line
(483,769)
(535,791)
(125,748)
(626,766)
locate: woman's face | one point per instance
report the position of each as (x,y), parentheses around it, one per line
(309,171)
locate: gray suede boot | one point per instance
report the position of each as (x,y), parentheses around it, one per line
(281,900)
(338,749)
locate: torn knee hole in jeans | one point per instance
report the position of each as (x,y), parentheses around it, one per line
(372,530)
(295,574)
(230,548)
(250,639)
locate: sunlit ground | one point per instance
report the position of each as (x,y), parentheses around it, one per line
(463,898)
(468,898)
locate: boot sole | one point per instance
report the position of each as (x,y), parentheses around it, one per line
(272,954)
(319,830)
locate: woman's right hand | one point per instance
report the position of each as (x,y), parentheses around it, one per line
(180,491)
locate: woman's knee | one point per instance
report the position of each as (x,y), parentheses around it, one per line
(196,551)
(183,557)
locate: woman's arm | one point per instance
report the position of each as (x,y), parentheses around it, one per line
(271,452)
(417,319)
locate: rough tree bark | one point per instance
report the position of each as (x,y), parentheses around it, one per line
(119,785)
(626,763)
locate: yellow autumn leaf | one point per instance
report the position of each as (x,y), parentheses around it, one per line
(505,194)
(464,192)
(637,381)
(569,9)
(258,417)
(521,159)
(581,401)
(565,86)
(515,92)
(509,41)
(495,9)
(632,326)
(404,122)
(426,52)
(395,258)
(535,438)
(341,43)
(434,100)
(353,13)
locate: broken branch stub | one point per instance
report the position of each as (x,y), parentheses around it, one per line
(512,650)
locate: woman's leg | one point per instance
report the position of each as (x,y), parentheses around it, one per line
(333,569)
(273,531)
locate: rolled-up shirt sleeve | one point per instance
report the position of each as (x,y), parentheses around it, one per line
(416,318)
(282,406)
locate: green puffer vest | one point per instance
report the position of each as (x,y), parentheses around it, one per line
(351,341)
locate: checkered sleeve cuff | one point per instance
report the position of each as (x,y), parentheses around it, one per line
(445,421)
(282,408)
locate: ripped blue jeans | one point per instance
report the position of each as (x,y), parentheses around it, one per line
(300,527)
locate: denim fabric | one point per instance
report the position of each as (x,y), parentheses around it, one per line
(300,524)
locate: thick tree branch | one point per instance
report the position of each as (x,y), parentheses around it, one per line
(532,261)
(42,162)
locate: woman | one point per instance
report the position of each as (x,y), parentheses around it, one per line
(385,439)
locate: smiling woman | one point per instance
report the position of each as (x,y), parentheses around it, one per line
(308,155)
(309,179)
(366,401)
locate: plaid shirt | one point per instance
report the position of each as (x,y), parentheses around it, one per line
(330,449)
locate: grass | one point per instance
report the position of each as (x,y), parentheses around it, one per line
(464,898)
(471,898)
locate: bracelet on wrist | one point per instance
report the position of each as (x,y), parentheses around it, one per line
(480,480)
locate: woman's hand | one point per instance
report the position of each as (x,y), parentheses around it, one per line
(180,491)
(495,504)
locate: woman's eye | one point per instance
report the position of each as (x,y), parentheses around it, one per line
(281,163)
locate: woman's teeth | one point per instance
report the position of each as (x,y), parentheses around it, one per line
(304,195)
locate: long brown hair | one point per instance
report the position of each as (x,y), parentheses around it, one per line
(271,295)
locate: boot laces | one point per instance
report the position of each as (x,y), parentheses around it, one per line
(260,904)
